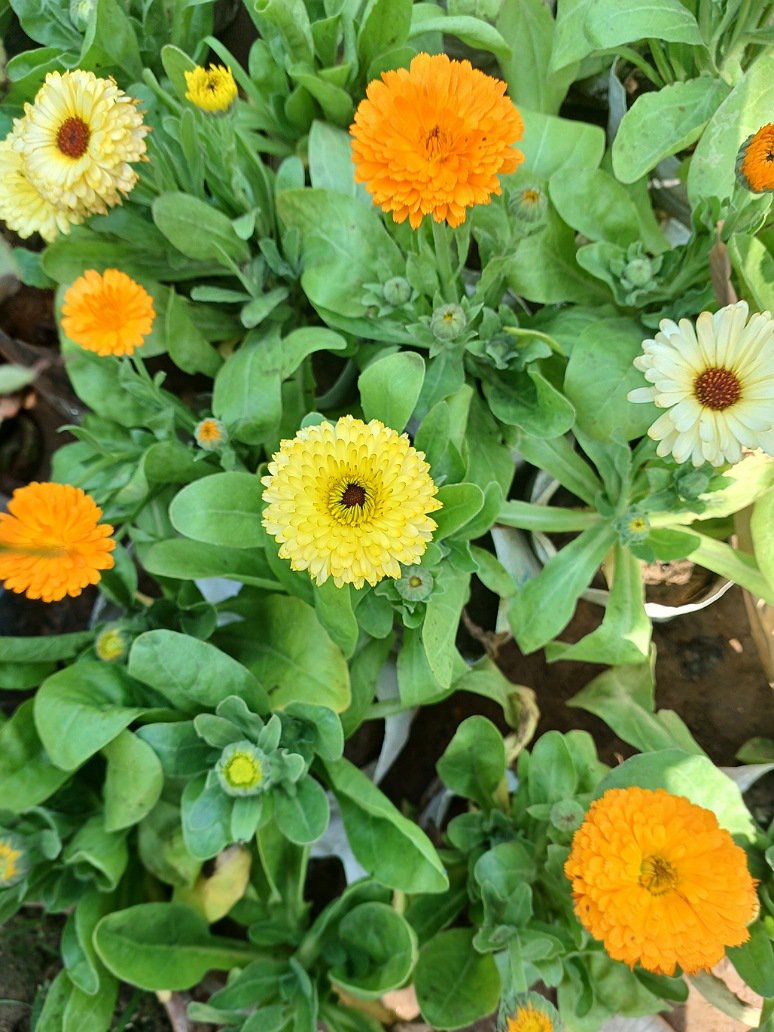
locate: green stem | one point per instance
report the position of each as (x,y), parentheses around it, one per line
(442,244)
(660,60)
(630,54)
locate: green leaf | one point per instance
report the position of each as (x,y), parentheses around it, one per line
(624,635)
(188,348)
(381,948)
(223,509)
(544,268)
(330,159)
(762,529)
(531,402)
(384,27)
(197,229)
(594,204)
(110,41)
(247,394)
(547,518)
(527,70)
(473,764)
(27,775)
(551,144)
(461,502)
(390,386)
(290,653)
(586,26)
(455,985)
(159,946)
(334,609)
(416,682)
(663,123)
(96,854)
(755,265)
(442,617)
(303,816)
(742,113)
(624,698)
(133,781)
(162,849)
(473,31)
(694,777)
(600,373)
(731,563)
(544,606)
(53,647)
(559,458)
(82,708)
(193,674)
(754,961)
(390,847)
(185,560)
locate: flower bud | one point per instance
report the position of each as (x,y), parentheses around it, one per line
(448,322)
(243,770)
(111,645)
(210,434)
(397,291)
(528,204)
(416,584)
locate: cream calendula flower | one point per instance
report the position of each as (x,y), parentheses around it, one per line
(78,140)
(350,501)
(716,382)
(23,208)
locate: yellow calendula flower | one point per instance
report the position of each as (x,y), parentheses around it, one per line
(13,859)
(432,139)
(78,140)
(659,881)
(108,313)
(23,208)
(755,161)
(211,89)
(530,1019)
(350,501)
(52,543)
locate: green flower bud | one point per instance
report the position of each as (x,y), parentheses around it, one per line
(528,204)
(566,815)
(632,527)
(416,584)
(448,322)
(243,770)
(639,272)
(397,291)
(111,645)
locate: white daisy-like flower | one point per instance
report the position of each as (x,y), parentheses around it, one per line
(716,382)
(78,141)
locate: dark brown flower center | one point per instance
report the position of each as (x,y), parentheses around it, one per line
(353,495)
(717,388)
(73,137)
(657,875)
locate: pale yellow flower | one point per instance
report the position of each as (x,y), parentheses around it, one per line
(23,208)
(78,141)
(350,501)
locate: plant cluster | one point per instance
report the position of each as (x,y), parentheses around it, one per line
(346,315)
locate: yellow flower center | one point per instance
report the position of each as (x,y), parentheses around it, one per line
(530,1019)
(637,525)
(717,388)
(415,582)
(110,645)
(243,771)
(530,197)
(657,875)
(8,858)
(208,430)
(73,137)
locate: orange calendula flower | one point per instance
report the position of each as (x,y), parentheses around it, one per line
(755,161)
(107,312)
(659,881)
(51,543)
(433,138)
(531,1019)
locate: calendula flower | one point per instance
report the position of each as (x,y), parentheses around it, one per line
(108,312)
(659,881)
(243,769)
(432,139)
(755,161)
(23,208)
(532,1017)
(13,859)
(717,383)
(210,434)
(212,89)
(51,543)
(350,501)
(78,140)
(111,645)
